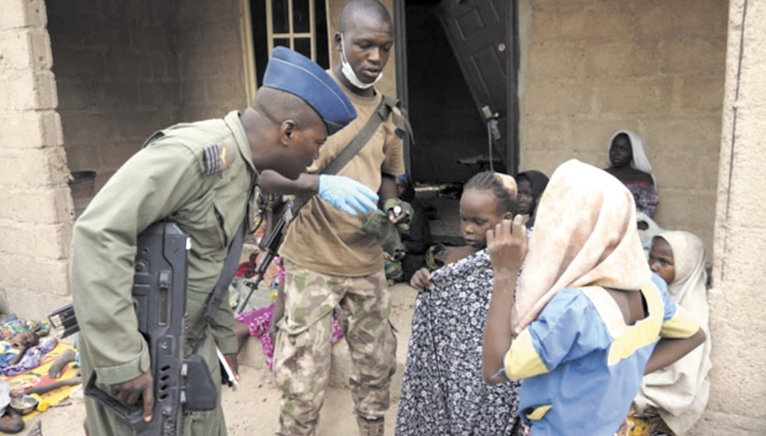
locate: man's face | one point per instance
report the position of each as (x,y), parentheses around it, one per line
(367,45)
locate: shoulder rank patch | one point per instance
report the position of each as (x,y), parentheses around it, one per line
(218,157)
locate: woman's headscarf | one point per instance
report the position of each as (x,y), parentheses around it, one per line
(585,235)
(680,391)
(537,181)
(653,229)
(639,161)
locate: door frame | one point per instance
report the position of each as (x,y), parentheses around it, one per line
(512,69)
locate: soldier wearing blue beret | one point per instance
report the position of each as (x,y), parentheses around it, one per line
(200,175)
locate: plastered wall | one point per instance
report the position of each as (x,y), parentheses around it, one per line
(591,67)
(738,390)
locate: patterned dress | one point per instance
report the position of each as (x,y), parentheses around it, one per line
(443,392)
(645,196)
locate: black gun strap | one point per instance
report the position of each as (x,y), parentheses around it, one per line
(227,275)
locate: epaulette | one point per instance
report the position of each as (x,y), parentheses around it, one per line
(219,156)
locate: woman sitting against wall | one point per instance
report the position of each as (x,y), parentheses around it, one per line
(672,399)
(629,164)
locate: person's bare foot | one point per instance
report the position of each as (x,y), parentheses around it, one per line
(59,365)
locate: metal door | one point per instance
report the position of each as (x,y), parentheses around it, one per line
(476,30)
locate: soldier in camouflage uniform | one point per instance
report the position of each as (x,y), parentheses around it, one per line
(330,265)
(201,176)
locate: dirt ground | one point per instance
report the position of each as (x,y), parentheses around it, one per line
(253,410)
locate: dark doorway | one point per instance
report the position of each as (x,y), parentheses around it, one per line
(446,124)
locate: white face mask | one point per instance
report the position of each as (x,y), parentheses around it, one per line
(349,72)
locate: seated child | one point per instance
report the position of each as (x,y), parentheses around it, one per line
(590,318)
(443,392)
(676,396)
(531,187)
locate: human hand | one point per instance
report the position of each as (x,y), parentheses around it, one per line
(347,194)
(507,245)
(421,278)
(129,391)
(396,215)
(231,359)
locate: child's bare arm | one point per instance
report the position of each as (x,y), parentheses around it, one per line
(507,248)
(279,311)
(668,351)
(421,278)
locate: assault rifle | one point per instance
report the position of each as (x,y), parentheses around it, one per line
(273,241)
(159,298)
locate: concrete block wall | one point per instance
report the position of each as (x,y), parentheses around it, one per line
(117,76)
(36,210)
(211,59)
(738,389)
(591,67)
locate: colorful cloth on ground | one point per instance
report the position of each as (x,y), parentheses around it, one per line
(594,242)
(443,392)
(580,347)
(647,423)
(16,326)
(32,358)
(258,322)
(645,196)
(38,377)
(679,392)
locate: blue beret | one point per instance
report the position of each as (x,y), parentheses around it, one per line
(292,72)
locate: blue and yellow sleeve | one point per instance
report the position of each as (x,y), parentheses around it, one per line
(567,329)
(677,322)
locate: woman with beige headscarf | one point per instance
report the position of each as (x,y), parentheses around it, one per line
(679,392)
(590,318)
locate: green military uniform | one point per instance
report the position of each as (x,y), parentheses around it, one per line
(199,175)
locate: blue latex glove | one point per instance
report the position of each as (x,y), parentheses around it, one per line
(347,194)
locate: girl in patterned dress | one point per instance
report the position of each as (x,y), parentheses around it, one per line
(443,392)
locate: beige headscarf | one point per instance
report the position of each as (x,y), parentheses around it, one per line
(585,234)
(680,391)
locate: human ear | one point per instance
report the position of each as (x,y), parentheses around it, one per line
(337,40)
(286,131)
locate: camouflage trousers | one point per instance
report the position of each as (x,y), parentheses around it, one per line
(303,350)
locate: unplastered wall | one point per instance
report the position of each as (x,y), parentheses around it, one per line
(737,403)
(35,207)
(211,58)
(591,67)
(117,77)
